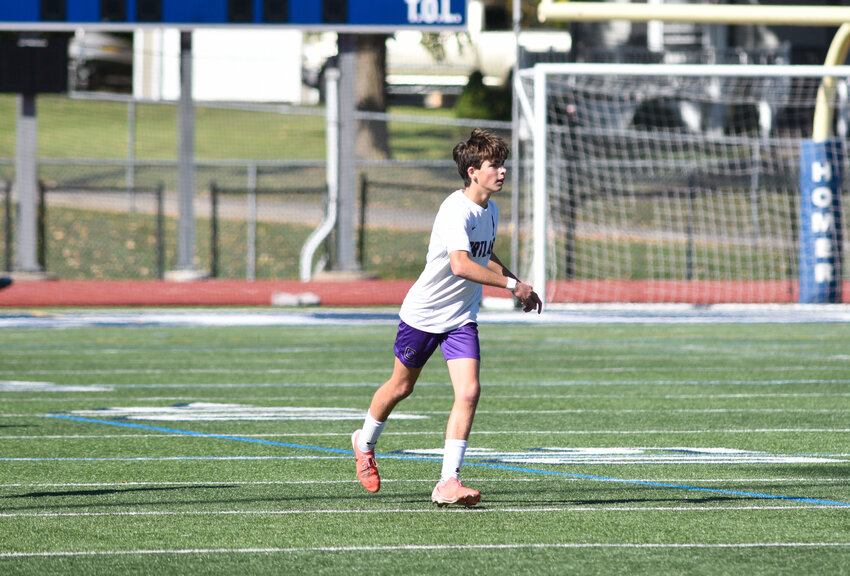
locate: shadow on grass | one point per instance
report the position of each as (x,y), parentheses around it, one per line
(578,502)
(42,500)
(107,491)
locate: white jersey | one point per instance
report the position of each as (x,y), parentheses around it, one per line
(439,301)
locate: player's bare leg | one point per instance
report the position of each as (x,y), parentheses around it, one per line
(397,388)
(393,391)
(467,389)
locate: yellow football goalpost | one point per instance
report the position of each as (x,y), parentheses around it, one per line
(567,11)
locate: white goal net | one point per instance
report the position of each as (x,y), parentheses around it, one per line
(666,183)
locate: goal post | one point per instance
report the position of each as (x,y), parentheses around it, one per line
(821,157)
(679,183)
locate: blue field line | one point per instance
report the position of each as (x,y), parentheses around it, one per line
(199,434)
(471,464)
(164,458)
(662,485)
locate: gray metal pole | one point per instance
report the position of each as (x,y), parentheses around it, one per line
(186,158)
(517,25)
(26,183)
(347,220)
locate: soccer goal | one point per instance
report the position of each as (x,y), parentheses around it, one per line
(674,183)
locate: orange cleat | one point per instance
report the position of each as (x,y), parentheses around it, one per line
(453,492)
(367,468)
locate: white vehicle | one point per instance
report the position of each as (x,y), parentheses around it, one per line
(412,67)
(101,61)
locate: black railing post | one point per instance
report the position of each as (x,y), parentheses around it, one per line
(691,246)
(8,220)
(213,230)
(160,233)
(361,237)
(42,226)
(570,232)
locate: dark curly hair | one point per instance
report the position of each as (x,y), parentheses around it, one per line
(480,147)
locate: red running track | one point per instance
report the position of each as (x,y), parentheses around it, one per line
(72,293)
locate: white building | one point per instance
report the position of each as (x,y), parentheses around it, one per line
(234,64)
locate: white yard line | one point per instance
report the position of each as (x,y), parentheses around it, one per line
(487,385)
(426,548)
(429,481)
(440,433)
(371,370)
(484,509)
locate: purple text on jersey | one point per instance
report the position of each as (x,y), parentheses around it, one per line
(481,249)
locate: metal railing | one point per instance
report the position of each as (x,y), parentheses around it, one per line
(132,193)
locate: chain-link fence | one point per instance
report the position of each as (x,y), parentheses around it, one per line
(260,173)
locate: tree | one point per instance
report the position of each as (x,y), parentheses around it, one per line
(370,94)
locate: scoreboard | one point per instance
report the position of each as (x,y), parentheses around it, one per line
(338,15)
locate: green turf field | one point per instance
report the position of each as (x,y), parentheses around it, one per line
(598,449)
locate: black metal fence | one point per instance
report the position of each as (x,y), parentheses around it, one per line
(287,199)
(7,224)
(116,247)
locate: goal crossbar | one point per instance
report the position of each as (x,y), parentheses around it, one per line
(718,70)
(697,13)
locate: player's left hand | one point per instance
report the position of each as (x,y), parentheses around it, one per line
(528,297)
(533,302)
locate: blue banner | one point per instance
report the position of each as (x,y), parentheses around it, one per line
(820,221)
(355,15)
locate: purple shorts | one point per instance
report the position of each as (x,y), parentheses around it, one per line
(414,347)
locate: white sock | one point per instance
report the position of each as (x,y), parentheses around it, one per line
(369,433)
(452,458)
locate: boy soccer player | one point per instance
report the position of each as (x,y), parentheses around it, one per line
(441,310)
